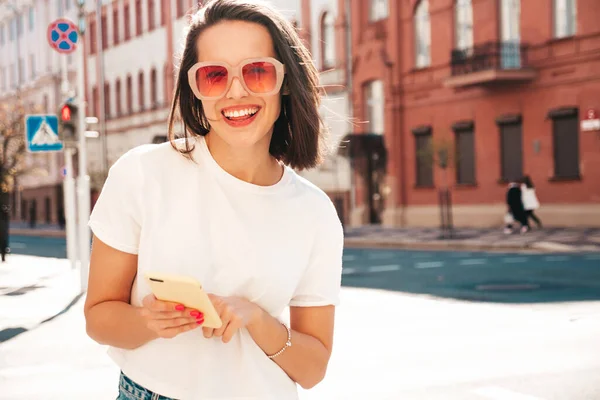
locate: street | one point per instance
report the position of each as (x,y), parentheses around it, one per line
(413,325)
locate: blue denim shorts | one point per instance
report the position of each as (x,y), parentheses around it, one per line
(129,390)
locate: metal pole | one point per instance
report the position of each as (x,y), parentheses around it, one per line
(83,180)
(70,208)
(101,82)
(69,183)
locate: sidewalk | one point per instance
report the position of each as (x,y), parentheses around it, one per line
(493,239)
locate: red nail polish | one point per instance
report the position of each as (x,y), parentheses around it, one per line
(200,321)
(179,307)
(195,314)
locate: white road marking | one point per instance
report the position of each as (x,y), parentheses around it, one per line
(380,256)
(498,393)
(514,259)
(348,271)
(429,264)
(349,258)
(384,268)
(556,258)
(474,261)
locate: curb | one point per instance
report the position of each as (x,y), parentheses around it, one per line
(547,247)
(37,232)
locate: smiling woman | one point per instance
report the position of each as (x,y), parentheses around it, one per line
(224,207)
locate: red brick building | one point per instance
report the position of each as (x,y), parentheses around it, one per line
(503,85)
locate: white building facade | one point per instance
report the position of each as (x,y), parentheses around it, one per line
(30,75)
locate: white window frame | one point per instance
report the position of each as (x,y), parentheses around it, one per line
(422,35)
(463,14)
(378,10)
(328,38)
(375,106)
(565,18)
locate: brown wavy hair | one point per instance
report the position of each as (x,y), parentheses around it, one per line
(298,134)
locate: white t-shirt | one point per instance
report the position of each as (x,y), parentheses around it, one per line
(277,246)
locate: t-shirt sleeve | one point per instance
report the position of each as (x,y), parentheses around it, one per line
(320,285)
(116,217)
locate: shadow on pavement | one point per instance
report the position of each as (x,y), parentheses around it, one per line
(10,333)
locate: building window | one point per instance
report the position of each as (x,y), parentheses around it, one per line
(115,22)
(2,35)
(31,19)
(138,17)
(378,9)
(60,10)
(511,148)
(104,32)
(565,135)
(328,41)
(12,29)
(151,15)
(465,153)
(32,66)
(565,18)
(68,5)
(511,34)
(422,35)
(374,101)
(48,209)
(20,25)
(45,103)
(424,156)
(107,101)
(180,8)
(464,24)
(21,70)
(129,95)
(163,11)
(141,90)
(93,37)
(96,102)
(127,22)
(118,98)
(153,94)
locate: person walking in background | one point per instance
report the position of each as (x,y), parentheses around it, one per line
(530,200)
(515,205)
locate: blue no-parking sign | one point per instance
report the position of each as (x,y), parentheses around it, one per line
(41,133)
(63,35)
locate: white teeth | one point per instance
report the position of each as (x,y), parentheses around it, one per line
(240,113)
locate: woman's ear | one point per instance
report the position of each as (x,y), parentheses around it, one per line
(285,90)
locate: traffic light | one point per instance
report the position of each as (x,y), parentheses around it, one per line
(68,122)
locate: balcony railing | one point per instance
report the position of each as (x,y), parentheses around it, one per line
(490,62)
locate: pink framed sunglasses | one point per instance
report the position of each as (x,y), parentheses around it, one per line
(211,80)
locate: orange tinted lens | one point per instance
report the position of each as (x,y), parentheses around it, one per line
(211,80)
(260,77)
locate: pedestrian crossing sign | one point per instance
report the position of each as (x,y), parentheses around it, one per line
(41,133)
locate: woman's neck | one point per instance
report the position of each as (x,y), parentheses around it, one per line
(253,164)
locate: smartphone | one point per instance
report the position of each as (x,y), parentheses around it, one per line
(184,290)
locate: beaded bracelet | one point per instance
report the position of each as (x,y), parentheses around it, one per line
(287,344)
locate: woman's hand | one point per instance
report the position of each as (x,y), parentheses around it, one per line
(235,312)
(167,319)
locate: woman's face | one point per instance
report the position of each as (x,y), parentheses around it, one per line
(233,42)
